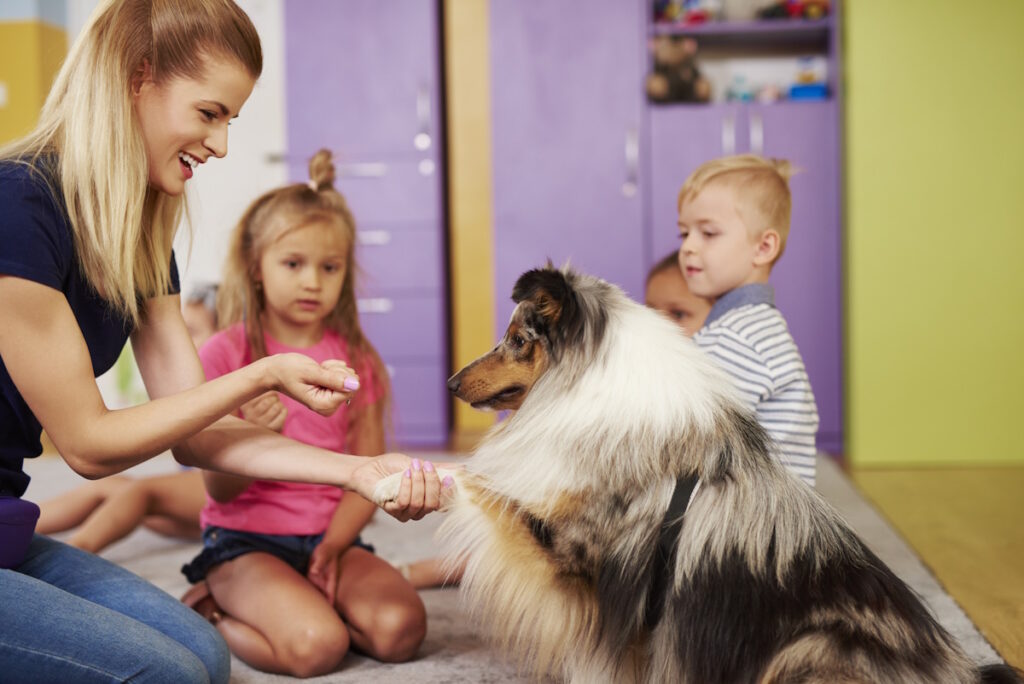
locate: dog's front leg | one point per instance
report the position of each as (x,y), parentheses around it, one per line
(387,489)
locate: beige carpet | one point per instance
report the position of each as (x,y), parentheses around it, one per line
(453,651)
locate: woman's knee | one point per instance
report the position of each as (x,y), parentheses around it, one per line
(213,652)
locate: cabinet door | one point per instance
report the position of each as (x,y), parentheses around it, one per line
(808,277)
(365,74)
(682,138)
(567,97)
(363,81)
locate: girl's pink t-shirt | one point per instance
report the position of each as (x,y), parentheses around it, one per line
(270,507)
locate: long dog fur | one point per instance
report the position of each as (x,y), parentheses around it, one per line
(558,513)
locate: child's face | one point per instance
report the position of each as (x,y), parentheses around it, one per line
(302,274)
(718,253)
(184,121)
(667,292)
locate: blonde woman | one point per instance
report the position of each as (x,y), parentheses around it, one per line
(89,202)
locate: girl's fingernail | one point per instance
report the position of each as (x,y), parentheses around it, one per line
(415,464)
(408,473)
(448,481)
(428,466)
(351,383)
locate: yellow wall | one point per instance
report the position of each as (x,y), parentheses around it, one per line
(467,71)
(30,55)
(935,231)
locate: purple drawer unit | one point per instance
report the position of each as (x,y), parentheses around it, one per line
(406,327)
(382,192)
(419,411)
(404,260)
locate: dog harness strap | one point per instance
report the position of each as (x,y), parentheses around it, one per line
(663,554)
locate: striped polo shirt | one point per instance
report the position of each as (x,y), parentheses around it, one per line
(748,337)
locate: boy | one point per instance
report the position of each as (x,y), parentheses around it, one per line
(734,221)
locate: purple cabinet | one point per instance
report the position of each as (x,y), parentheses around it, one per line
(586,170)
(567,113)
(363,80)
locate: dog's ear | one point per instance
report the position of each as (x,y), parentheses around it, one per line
(554,300)
(547,289)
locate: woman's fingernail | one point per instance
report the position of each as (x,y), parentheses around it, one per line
(415,464)
(448,481)
(428,466)
(351,383)
(408,473)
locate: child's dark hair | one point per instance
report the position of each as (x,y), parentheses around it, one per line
(665,263)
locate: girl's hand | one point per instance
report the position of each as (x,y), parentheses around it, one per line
(420,492)
(323,569)
(267,410)
(321,387)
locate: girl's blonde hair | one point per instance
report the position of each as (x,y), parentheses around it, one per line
(87,145)
(761,187)
(268,219)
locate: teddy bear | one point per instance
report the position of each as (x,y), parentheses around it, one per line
(674,76)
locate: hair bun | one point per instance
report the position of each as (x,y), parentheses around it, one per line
(321,170)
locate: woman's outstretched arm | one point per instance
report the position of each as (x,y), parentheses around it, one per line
(47,358)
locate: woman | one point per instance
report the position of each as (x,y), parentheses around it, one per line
(89,202)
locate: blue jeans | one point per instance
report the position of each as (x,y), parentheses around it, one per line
(69,616)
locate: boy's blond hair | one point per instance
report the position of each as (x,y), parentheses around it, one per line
(761,188)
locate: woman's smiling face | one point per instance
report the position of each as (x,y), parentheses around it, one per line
(184,121)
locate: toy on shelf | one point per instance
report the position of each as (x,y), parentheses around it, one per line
(686,12)
(795,9)
(675,76)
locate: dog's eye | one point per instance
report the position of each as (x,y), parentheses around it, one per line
(517,341)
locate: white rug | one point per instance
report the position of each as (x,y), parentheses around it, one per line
(453,651)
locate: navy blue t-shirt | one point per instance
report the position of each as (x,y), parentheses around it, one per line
(36,244)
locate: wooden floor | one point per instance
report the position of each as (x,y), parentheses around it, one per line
(967,525)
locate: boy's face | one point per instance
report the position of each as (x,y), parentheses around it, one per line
(718,253)
(667,293)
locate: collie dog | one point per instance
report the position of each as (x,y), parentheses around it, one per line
(628,522)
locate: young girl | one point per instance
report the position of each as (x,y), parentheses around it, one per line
(89,203)
(289,286)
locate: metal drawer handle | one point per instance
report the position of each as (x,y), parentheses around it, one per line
(756,134)
(362,170)
(375,305)
(729,135)
(632,162)
(422,139)
(373,237)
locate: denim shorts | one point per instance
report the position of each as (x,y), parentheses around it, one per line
(221,545)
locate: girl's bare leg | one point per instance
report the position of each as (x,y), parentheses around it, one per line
(430,573)
(385,616)
(274,619)
(69,509)
(170,504)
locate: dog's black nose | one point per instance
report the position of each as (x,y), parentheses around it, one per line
(453,384)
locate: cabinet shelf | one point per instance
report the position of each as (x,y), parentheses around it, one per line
(766,31)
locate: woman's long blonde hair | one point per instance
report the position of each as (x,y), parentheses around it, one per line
(268,218)
(88,148)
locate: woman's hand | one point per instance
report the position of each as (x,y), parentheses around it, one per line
(320,386)
(267,410)
(419,494)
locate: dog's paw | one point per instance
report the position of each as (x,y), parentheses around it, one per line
(387,489)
